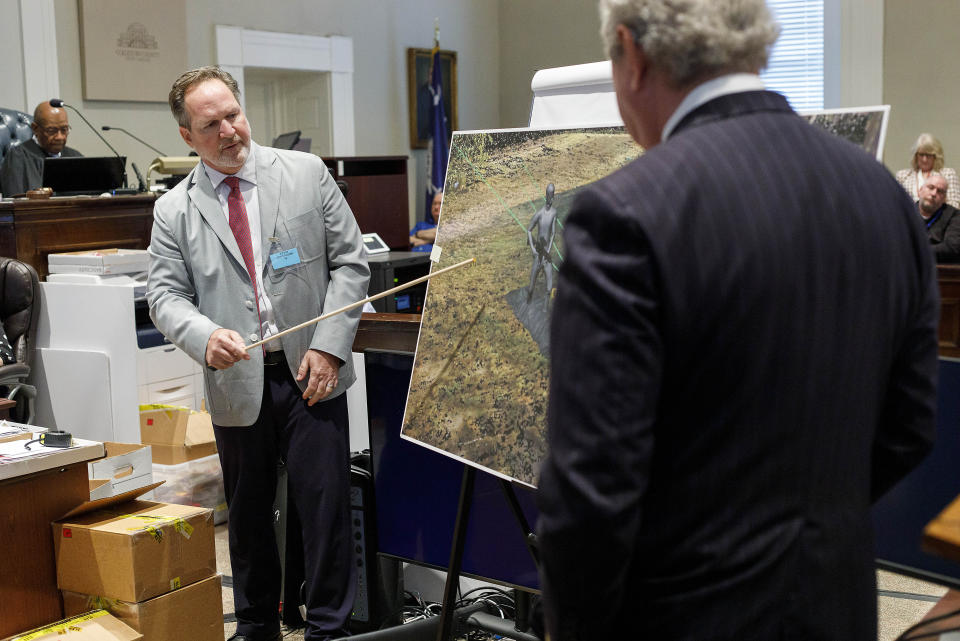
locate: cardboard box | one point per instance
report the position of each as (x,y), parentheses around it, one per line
(102,261)
(90,626)
(127,466)
(133,550)
(176,434)
(193,612)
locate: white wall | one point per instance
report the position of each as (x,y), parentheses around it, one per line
(11,53)
(381,31)
(540,34)
(500,45)
(920,77)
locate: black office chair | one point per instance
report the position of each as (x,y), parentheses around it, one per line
(14,129)
(19,307)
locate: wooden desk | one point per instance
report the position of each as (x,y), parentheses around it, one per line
(32,494)
(942,534)
(31,229)
(948,276)
(387,332)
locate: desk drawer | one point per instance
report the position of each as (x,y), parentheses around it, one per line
(166,361)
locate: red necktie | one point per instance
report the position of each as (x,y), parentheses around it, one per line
(241,230)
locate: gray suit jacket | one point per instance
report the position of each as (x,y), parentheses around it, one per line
(198,282)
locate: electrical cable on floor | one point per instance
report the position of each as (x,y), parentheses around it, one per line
(498,602)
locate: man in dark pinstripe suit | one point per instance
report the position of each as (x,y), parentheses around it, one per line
(744,354)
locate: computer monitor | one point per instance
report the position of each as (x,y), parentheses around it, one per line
(83,175)
(417,493)
(287,140)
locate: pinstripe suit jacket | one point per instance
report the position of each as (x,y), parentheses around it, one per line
(743,357)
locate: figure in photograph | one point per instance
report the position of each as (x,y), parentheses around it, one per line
(741,363)
(545,220)
(255,240)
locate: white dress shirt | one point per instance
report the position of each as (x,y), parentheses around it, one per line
(702,94)
(248,189)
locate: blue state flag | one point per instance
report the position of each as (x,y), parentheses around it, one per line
(439,146)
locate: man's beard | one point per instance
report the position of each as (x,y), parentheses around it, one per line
(235,156)
(928,207)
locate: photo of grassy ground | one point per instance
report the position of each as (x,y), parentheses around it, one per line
(480,379)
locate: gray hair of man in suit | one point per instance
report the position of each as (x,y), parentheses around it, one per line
(693,40)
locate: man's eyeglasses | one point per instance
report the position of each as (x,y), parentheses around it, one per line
(53,131)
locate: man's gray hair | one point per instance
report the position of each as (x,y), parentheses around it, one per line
(191,78)
(693,40)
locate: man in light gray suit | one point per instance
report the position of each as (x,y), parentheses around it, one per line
(252,241)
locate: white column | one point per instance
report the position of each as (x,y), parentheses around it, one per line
(341,96)
(230,55)
(40,71)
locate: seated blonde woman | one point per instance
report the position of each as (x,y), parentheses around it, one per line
(927,158)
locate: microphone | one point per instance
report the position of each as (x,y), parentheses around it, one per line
(58,103)
(142,142)
(143,185)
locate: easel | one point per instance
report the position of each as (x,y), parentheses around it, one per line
(581,95)
(448,627)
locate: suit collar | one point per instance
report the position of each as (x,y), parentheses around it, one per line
(269,182)
(268,179)
(709,90)
(731,105)
(201,193)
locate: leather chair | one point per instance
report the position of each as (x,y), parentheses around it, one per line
(14,129)
(19,308)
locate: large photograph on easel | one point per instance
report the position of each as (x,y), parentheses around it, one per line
(479,386)
(865,127)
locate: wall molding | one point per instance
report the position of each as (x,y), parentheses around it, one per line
(238,48)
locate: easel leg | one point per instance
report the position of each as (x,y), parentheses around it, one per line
(456,554)
(529,538)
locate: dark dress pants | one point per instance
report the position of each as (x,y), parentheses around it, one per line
(314,442)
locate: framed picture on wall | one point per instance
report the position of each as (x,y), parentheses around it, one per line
(418,92)
(132,50)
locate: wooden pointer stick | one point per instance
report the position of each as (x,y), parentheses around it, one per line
(360,303)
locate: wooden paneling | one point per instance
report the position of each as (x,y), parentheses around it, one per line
(948,277)
(377,195)
(32,229)
(28,573)
(387,332)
